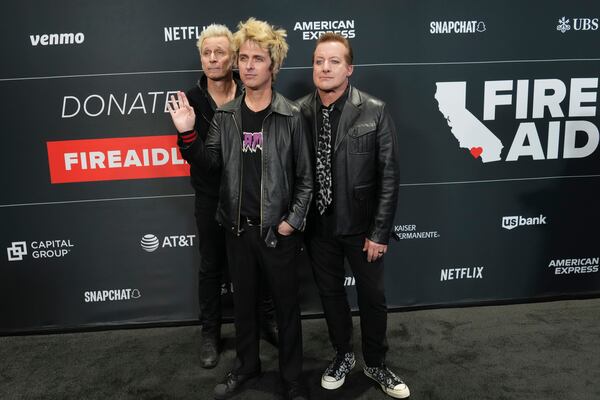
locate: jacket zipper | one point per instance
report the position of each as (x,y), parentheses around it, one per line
(239,216)
(262,169)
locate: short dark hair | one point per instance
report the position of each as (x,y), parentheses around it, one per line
(336,37)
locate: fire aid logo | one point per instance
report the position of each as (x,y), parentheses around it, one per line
(89,160)
(16,251)
(571,133)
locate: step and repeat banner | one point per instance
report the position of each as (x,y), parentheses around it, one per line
(496,105)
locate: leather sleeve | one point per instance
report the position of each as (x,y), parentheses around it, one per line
(388,179)
(207,155)
(303,187)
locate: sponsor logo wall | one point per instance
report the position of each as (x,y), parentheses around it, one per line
(497,115)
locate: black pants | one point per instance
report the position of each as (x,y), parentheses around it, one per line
(327,255)
(213,263)
(249,259)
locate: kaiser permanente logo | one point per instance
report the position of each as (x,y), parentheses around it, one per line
(472,26)
(150,243)
(312,30)
(515,221)
(410,231)
(97,296)
(529,103)
(578,24)
(40,249)
(53,39)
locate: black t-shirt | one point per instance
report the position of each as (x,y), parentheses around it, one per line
(252,137)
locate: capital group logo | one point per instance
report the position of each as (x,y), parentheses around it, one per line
(40,249)
(514,221)
(16,251)
(578,24)
(529,102)
(97,296)
(150,242)
(460,27)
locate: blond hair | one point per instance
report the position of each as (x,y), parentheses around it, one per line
(216,30)
(267,37)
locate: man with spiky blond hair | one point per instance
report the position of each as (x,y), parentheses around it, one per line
(217,85)
(259,143)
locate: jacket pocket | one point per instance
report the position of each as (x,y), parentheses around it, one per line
(363,204)
(362,138)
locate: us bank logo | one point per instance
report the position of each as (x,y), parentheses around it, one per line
(553,119)
(515,221)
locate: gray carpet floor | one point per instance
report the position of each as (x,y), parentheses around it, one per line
(542,351)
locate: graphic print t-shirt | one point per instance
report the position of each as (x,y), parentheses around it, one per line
(252,139)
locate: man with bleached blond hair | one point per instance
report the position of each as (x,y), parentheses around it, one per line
(259,143)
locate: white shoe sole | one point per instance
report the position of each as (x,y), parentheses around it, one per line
(397,394)
(332,385)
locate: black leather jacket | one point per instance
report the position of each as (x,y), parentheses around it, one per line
(365,167)
(287,179)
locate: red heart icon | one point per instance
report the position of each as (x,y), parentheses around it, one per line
(476,151)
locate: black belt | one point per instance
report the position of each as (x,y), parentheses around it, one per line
(251,221)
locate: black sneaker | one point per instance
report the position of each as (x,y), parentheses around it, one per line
(335,374)
(390,383)
(295,391)
(232,384)
(269,332)
(209,352)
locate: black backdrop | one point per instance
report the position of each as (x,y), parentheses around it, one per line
(490,209)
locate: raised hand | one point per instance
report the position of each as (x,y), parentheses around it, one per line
(182,113)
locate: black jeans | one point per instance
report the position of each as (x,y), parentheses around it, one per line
(327,255)
(213,263)
(249,260)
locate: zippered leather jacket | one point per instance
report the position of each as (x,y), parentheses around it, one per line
(286,176)
(365,167)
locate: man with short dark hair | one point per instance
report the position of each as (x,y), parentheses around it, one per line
(356,191)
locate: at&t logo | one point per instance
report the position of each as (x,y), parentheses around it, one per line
(151,243)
